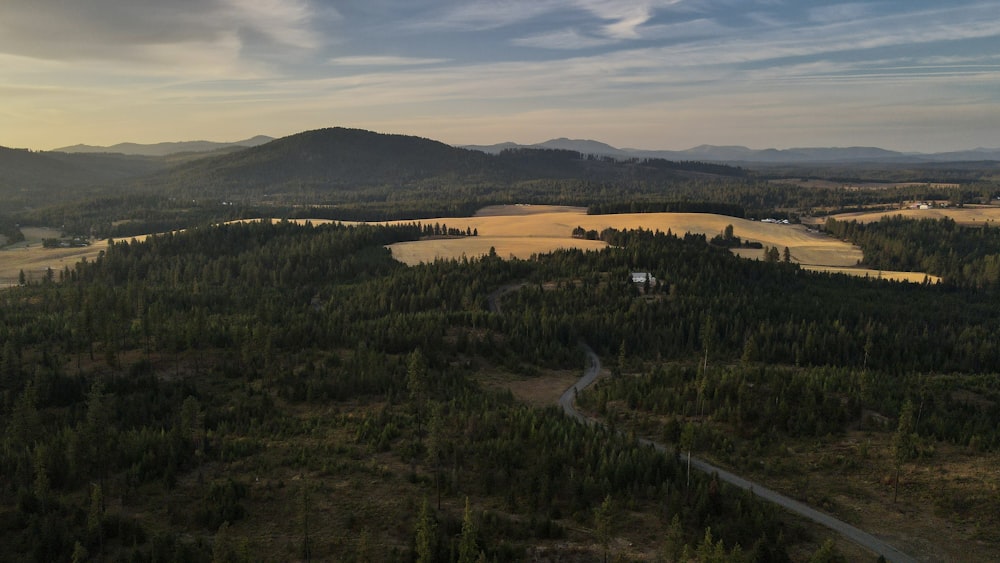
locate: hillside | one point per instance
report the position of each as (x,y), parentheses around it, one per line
(338,166)
(29,178)
(328,158)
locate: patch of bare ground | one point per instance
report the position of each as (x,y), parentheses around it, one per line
(541,390)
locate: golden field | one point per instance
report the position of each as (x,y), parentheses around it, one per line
(29,256)
(521,231)
(968,215)
(524,230)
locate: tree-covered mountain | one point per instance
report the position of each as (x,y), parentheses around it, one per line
(29,178)
(341,166)
(330,158)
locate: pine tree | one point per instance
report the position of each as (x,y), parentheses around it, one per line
(902,442)
(416,382)
(424,535)
(603,522)
(468,552)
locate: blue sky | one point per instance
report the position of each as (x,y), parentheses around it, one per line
(900,74)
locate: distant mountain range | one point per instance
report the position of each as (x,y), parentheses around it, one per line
(344,160)
(703,153)
(164,149)
(740,154)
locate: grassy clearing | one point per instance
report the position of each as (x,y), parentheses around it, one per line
(912,277)
(976,215)
(30,257)
(541,390)
(35,260)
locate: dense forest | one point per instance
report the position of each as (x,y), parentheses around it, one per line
(967,256)
(199,368)
(279,391)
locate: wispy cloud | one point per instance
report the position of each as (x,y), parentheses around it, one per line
(378,60)
(639,66)
(569,39)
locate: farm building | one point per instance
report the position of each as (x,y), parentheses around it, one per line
(643,277)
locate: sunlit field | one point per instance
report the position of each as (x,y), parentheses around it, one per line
(524,230)
(30,257)
(968,215)
(521,231)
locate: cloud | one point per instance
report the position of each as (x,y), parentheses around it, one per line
(380,60)
(130,30)
(487,14)
(841,12)
(562,39)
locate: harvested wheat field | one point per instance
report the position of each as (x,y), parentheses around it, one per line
(523,230)
(968,215)
(514,230)
(30,257)
(35,260)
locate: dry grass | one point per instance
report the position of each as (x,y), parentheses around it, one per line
(913,277)
(538,391)
(968,215)
(30,257)
(35,260)
(521,231)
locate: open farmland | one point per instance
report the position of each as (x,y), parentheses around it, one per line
(968,215)
(30,257)
(521,231)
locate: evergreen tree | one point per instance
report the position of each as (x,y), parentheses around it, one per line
(425,535)
(902,442)
(468,551)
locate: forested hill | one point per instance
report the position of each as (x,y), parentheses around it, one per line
(333,158)
(21,169)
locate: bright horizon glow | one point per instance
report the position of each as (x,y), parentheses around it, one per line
(907,75)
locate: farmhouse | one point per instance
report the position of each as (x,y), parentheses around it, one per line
(643,277)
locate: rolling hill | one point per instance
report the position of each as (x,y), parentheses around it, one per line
(338,160)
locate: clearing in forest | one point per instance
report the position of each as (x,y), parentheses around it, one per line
(523,230)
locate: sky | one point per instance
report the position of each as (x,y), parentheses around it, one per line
(909,75)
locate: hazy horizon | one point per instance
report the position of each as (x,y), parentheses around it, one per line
(910,76)
(530,143)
